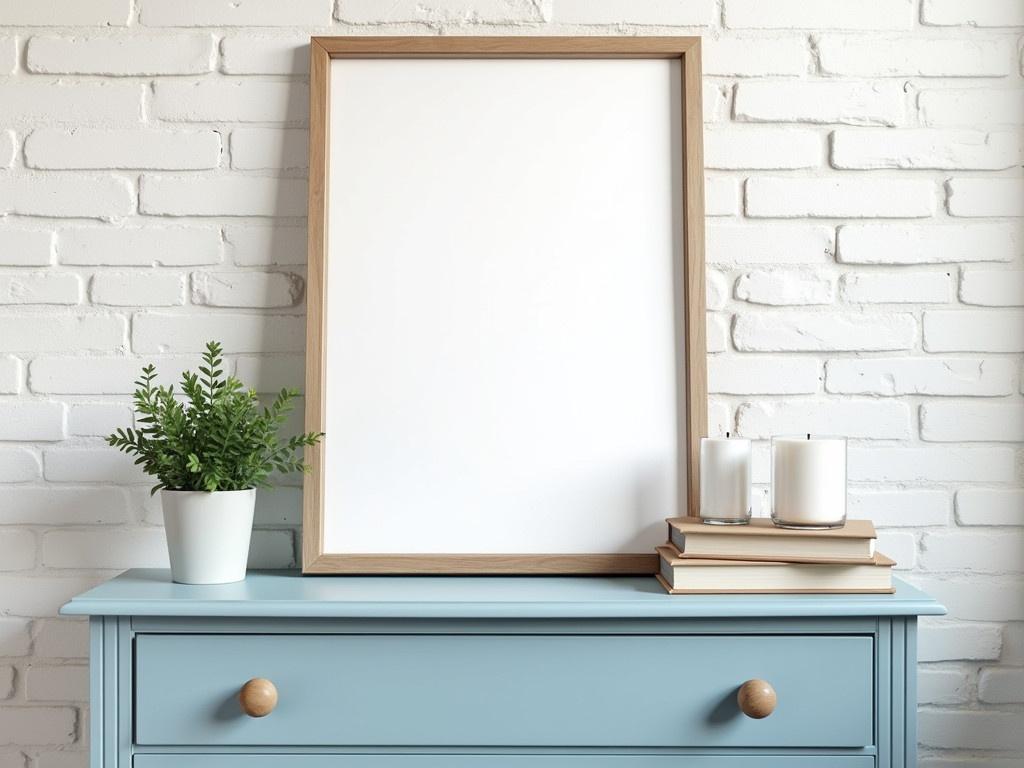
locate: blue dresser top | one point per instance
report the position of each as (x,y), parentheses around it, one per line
(150,592)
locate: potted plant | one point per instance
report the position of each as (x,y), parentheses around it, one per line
(209,447)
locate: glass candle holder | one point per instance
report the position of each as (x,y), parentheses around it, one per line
(725,480)
(809,482)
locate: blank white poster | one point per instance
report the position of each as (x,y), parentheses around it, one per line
(501,356)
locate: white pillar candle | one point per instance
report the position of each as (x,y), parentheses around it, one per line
(724,480)
(809,481)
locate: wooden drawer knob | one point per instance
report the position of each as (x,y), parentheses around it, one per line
(258,697)
(756,698)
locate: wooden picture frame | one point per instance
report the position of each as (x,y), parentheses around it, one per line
(687,289)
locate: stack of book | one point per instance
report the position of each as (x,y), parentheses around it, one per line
(760,557)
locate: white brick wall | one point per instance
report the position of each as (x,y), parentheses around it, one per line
(865,238)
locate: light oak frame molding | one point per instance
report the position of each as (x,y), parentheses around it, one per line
(693,387)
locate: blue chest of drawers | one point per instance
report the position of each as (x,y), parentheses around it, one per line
(529,672)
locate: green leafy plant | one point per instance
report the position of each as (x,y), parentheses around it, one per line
(214,438)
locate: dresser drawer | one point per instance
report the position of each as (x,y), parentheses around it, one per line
(503,761)
(504,690)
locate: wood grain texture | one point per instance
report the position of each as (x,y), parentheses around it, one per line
(316,300)
(690,320)
(756,699)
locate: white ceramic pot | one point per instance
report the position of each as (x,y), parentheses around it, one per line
(208,534)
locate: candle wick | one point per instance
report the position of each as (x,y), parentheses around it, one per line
(808,435)
(727,434)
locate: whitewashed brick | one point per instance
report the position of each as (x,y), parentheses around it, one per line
(717,289)
(61,639)
(122,55)
(782,288)
(755,56)
(80,759)
(873,56)
(68,682)
(990,506)
(37,725)
(102,375)
(75,104)
(31,420)
(976,13)
(761,148)
(91,465)
(899,546)
(851,197)
(241,101)
(25,247)
(40,288)
(272,549)
(1001,685)
(265,246)
(137,289)
(867,148)
(970,422)
(157,332)
(902,508)
(8,149)
(62,333)
(11,375)
(971,107)
(17,552)
(15,637)
(470,11)
(23,595)
(963,552)
(8,55)
(98,419)
(987,377)
(696,13)
(222,196)
(769,244)
(993,598)
(140,246)
(718,331)
(117,549)
(985,197)
(926,244)
(122,148)
(279,506)
(992,288)
(818,331)
(18,465)
(6,692)
(61,13)
(23,505)
(256,148)
(852,418)
(234,13)
(852,103)
(715,98)
(67,194)
(961,729)
(956,641)
(720,418)
(943,687)
(945,464)
(821,14)
(755,375)
(974,331)
(897,288)
(271,374)
(246,289)
(721,196)
(265,55)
